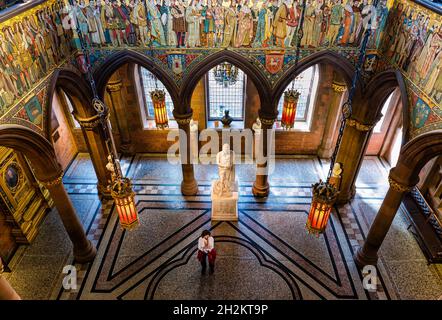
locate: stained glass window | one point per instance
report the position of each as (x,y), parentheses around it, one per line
(225,95)
(305,83)
(149,84)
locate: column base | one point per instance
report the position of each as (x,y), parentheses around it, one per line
(189,188)
(362,260)
(127,149)
(344,198)
(261,191)
(85,255)
(103,192)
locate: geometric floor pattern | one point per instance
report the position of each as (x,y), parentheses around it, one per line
(267,254)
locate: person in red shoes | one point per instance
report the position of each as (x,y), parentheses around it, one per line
(206,251)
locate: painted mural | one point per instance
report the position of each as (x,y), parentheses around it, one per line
(227,23)
(412,42)
(32,44)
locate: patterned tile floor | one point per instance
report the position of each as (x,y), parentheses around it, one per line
(265,255)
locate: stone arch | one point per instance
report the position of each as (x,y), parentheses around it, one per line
(418,151)
(118,59)
(38,150)
(78,90)
(344,67)
(200,69)
(378,90)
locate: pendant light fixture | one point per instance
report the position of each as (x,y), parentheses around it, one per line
(325,193)
(120,187)
(158,97)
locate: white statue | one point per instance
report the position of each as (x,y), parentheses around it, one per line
(336,172)
(193,126)
(257,125)
(110,167)
(225,160)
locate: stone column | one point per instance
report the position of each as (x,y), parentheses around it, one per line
(6,291)
(98,150)
(350,155)
(114,89)
(189,186)
(331,126)
(83,249)
(368,254)
(261,186)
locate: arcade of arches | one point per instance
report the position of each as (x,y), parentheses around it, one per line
(56,209)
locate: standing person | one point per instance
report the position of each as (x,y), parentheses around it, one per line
(206,249)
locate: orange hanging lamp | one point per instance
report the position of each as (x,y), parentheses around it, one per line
(291,98)
(159,108)
(324,196)
(124,198)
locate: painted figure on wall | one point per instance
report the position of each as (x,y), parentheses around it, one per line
(280,24)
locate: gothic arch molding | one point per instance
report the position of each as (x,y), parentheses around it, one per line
(340,64)
(118,59)
(200,69)
(378,90)
(36,148)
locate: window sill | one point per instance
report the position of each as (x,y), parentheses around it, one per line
(150,125)
(216,124)
(298,127)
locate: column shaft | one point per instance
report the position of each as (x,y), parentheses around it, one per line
(261,187)
(83,249)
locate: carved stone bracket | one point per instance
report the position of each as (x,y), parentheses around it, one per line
(338,86)
(114,86)
(359,126)
(89,123)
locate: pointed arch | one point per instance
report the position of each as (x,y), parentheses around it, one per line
(38,150)
(200,69)
(113,62)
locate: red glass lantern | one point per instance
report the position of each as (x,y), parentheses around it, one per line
(289,108)
(159,107)
(124,198)
(324,196)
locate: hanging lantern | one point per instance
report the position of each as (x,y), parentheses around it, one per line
(159,107)
(124,198)
(289,108)
(324,196)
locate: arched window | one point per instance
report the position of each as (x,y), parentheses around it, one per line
(70,106)
(148,84)
(225,90)
(384,111)
(306,83)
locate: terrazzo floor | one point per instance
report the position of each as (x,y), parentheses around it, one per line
(265,255)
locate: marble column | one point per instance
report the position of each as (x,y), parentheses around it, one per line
(116,97)
(350,155)
(83,249)
(98,151)
(261,186)
(6,291)
(189,186)
(332,123)
(368,254)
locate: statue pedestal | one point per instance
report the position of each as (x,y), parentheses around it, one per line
(225,208)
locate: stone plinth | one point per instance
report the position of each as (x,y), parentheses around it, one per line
(225,208)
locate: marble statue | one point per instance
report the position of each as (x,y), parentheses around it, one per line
(256,125)
(225,160)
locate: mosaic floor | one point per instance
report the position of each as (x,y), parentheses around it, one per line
(265,255)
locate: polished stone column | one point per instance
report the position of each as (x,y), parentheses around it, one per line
(261,186)
(83,249)
(189,186)
(327,145)
(114,89)
(6,291)
(350,155)
(98,151)
(368,254)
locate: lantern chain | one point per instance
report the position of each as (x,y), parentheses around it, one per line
(347,107)
(98,105)
(299,36)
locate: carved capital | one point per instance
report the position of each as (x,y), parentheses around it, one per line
(267,122)
(2,267)
(396,186)
(359,126)
(89,123)
(183,119)
(53,182)
(339,86)
(114,86)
